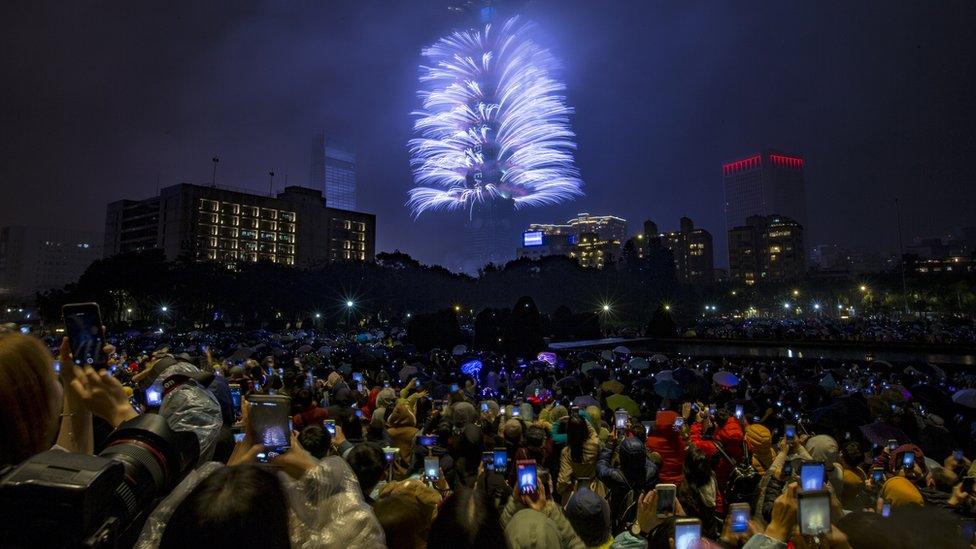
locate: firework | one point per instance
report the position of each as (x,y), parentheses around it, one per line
(493,123)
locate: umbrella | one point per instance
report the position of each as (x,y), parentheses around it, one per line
(606,355)
(659,359)
(725,379)
(684,375)
(587,366)
(879,433)
(664,374)
(621,350)
(567,381)
(459,350)
(615,402)
(638,363)
(925,370)
(965,397)
(408,372)
(668,388)
(612,386)
(584,401)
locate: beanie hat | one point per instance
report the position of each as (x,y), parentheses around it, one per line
(760,443)
(590,516)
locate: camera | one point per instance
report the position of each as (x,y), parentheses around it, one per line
(62,499)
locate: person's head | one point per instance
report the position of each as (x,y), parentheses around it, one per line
(633,461)
(302,400)
(352,427)
(368,462)
(866,529)
(242,506)
(589,514)
(316,440)
(576,435)
(402,520)
(468,519)
(851,455)
(512,432)
(942,479)
(30,398)
(698,469)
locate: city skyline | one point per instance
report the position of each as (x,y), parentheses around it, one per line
(664,97)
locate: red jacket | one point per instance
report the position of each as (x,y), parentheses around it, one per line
(313,416)
(668,443)
(731,437)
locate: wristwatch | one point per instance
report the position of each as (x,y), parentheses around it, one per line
(635,530)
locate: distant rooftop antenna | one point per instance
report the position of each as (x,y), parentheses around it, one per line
(213,177)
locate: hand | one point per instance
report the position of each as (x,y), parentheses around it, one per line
(442,484)
(533,500)
(647,512)
(686,410)
(296,461)
(244,452)
(339,437)
(784,515)
(102,394)
(733,539)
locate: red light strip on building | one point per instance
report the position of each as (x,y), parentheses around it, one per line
(745,164)
(787,161)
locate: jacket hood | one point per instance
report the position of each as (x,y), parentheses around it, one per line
(386,398)
(402,417)
(823,448)
(665,420)
(530,529)
(590,516)
(760,441)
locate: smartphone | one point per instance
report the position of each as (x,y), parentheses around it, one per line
(814,513)
(359,413)
(269,418)
(679,422)
(428,440)
(357,376)
(416,383)
(740,517)
(235,398)
(329,425)
(528,479)
(516,412)
(620,418)
(154,398)
(877,475)
(484,407)
(432,468)
(83,324)
(886,509)
(957,455)
(892,444)
(812,476)
(454,387)
(687,532)
(908,460)
(711,410)
(390,453)
(739,411)
(790,432)
(361,387)
(501,459)
(787,469)
(665,499)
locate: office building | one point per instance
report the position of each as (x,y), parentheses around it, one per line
(834,258)
(487,235)
(35,259)
(333,169)
(593,240)
(764,184)
(606,227)
(766,249)
(218,223)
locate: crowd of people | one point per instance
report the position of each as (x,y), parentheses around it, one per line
(875,329)
(393,446)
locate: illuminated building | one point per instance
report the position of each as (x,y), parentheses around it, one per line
(34,259)
(592,251)
(606,227)
(766,249)
(538,244)
(333,170)
(764,184)
(691,250)
(216,223)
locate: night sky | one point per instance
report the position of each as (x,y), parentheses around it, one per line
(107,100)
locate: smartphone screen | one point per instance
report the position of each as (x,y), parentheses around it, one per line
(886,509)
(516,412)
(235,398)
(957,455)
(269,423)
(527,478)
(790,432)
(484,407)
(739,411)
(390,453)
(788,469)
(968,527)
(892,444)
(488,459)
(679,422)
(501,459)
(329,425)
(687,532)
(356,376)
(153,397)
(239,437)
(428,440)
(812,476)
(877,475)
(665,499)
(432,467)
(814,511)
(83,324)
(908,460)
(454,387)
(620,418)
(740,517)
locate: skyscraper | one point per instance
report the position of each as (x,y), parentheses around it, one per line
(333,169)
(764,184)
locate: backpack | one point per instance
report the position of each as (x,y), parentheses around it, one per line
(743,483)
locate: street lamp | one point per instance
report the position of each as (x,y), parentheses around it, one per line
(457,308)
(606,307)
(318,315)
(863,288)
(129,310)
(796,293)
(667,307)
(786,306)
(164,308)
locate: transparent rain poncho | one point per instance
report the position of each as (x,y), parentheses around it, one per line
(327,509)
(191,407)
